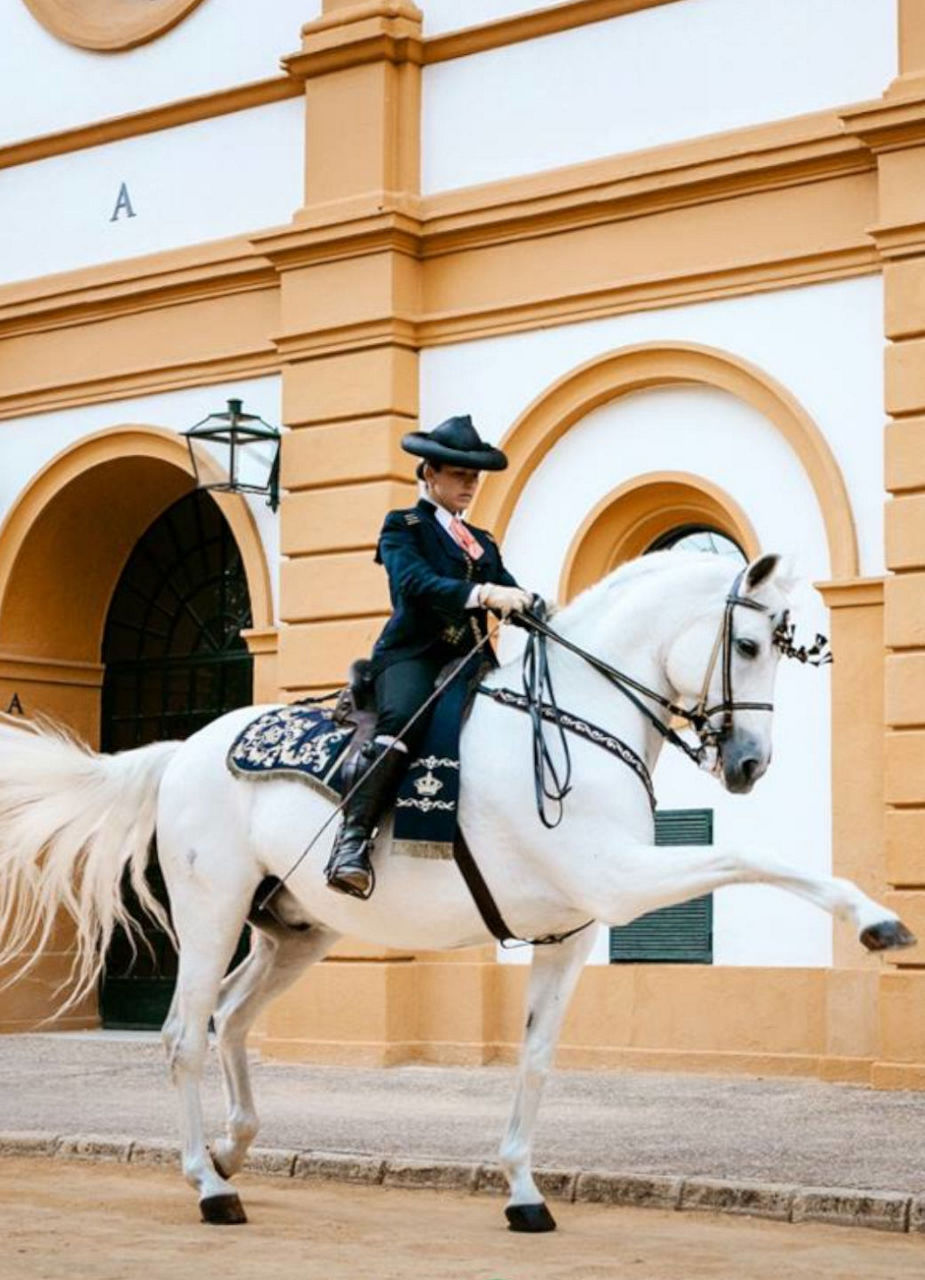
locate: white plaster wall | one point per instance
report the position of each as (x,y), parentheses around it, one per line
(28,444)
(677,71)
(47,85)
(200,181)
(452,15)
(824,344)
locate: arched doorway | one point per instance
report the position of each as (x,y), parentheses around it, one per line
(64,545)
(174,659)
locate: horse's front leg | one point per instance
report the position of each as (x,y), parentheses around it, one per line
(643,878)
(553,974)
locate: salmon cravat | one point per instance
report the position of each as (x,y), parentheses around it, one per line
(461,534)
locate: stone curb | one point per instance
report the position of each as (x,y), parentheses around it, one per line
(834,1206)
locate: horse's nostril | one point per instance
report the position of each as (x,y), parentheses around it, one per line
(750,767)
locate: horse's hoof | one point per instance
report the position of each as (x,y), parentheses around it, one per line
(888,935)
(529,1217)
(222,1211)
(219,1167)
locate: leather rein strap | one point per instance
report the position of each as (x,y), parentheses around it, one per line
(538,699)
(550,783)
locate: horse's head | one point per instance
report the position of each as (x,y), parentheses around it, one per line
(723,665)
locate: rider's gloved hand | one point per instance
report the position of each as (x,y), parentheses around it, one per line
(505,600)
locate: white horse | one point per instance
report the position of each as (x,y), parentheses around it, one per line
(71,821)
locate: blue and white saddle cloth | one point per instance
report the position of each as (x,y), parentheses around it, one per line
(304,742)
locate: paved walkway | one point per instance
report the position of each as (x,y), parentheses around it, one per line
(800,1132)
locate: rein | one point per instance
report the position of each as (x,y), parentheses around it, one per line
(552,785)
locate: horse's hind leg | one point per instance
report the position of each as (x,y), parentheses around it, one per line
(277,957)
(208,929)
(554,972)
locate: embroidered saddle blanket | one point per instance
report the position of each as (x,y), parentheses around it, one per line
(306,743)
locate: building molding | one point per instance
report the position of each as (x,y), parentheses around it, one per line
(134,124)
(852,593)
(617,373)
(528,26)
(626,522)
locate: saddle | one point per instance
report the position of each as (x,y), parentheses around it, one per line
(356,707)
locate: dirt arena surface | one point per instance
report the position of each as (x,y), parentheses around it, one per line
(67,1221)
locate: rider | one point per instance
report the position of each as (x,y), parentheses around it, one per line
(443,576)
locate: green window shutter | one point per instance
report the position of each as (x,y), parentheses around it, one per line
(674,935)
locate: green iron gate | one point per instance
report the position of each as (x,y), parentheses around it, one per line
(174,660)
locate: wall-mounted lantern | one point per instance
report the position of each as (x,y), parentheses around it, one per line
(246,449)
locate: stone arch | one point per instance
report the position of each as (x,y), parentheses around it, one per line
(64,544)
(629,519)
(636,368)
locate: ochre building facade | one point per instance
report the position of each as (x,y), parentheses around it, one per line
(670,253)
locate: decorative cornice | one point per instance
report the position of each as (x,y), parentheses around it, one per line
(134,285)
(345,230)
(899,241)
(894,122)
(806,152)
(261,640)
(368,335)
(203,107)
(29,670)
(762,158)
(438,329)
(221,367)
(851,593)
(529,26)
(377,31)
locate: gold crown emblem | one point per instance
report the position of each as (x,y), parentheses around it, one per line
(428,785)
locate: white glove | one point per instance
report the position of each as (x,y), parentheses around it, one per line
(505,600)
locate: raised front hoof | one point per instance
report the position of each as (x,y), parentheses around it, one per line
(529,1217)
(219,1168)
(888,935)
(222,1211)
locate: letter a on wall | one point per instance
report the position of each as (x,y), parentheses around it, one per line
(123,204)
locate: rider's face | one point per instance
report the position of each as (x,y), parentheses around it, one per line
(453,487)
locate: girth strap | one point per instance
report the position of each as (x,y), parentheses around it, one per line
(488,908)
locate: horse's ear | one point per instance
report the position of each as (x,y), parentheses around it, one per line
(759,571)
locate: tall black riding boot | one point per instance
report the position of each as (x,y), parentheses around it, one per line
(379,770)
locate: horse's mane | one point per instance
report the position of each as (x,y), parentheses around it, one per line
(603,592)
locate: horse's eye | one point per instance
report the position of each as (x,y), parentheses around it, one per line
(747,648)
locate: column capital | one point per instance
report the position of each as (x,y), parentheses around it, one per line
(891,123)
(377,31)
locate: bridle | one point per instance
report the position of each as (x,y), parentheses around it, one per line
(700,714)
(540,702)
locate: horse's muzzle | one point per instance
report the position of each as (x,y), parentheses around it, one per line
(744,761)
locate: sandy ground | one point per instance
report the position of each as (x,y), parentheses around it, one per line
(98,1222)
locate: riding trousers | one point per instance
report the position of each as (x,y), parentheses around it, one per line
(401,688)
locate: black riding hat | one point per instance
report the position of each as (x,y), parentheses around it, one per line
(455,443)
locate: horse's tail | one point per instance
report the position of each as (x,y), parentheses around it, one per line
(71,822)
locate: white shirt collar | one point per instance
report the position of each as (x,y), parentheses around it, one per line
(443,515)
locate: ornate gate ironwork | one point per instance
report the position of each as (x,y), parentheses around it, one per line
(174,660)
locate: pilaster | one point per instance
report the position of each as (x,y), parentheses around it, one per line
(894,130)
(349,276)
(856,628)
